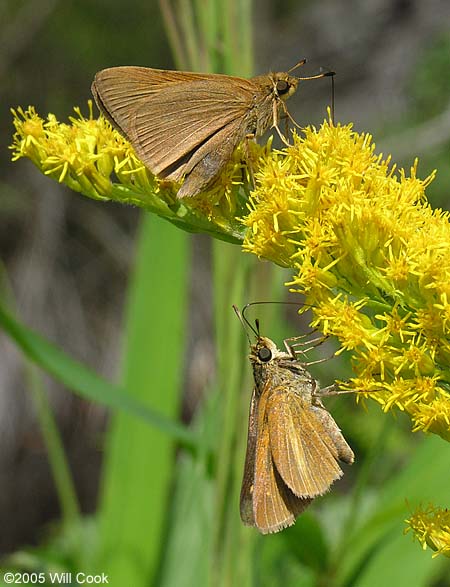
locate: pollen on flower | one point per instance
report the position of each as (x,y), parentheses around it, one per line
(433,416)
(431,527)
(396,268)
(443,308)
(396,324)
(415,358)
(373,361)
(345,320)
(79,154)
(313,275)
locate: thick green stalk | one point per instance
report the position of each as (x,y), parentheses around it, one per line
(230,281)
(139,459)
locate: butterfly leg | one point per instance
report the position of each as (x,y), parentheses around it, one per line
(248,157)
(291,345)
(297,341)
(285,118)
(332,390)
(275,118)
(288,116)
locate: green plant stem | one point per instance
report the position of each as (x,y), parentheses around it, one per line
(365,471)
(55,450)
(209,22)
(139,462)
(87,383)
(173,34)
(230,283)
(59,465)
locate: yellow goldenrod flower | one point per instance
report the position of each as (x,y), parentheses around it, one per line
(364,245)
(372,258)
(432,528)
(91,157)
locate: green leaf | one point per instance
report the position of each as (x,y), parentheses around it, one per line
(188,551)
(85,382)
(424,479)
(139,459)
(307,543)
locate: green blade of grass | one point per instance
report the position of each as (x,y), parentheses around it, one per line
(55,449)
(57,459)
(193,511)
(137,472)
(85,382)
(400,562)
(424,479)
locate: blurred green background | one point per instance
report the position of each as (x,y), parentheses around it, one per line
(143,482)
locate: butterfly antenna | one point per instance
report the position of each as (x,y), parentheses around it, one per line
(297,65)
(320,75)
(254,329)
(245,323)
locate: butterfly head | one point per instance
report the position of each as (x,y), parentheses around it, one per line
(264,351)
(284,85)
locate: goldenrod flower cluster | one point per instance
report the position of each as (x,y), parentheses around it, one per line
(371,256)
(365,246)
(90,157)
(431,526)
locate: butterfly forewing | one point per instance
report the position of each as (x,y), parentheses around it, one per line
(274,505)
(181,124)
(119,91)
(303,453)
(246,499)
(173,123)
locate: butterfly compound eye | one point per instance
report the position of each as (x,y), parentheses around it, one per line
(264,354)
(282,87)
